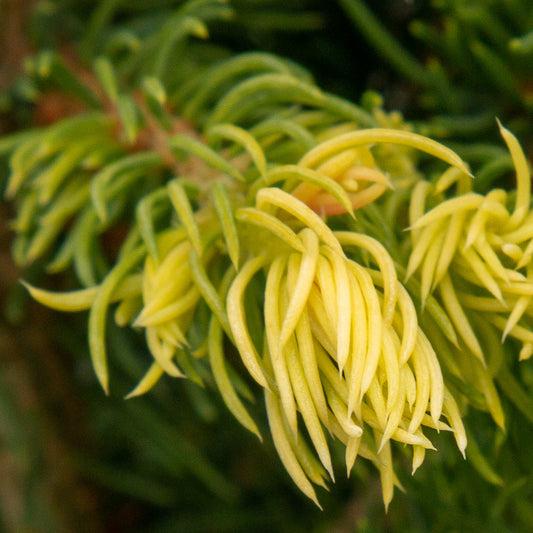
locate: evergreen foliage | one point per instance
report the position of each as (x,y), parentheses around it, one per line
(252,254)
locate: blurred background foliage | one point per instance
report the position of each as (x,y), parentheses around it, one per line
(72,459)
